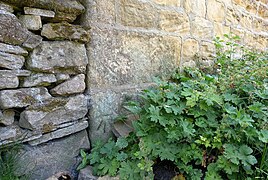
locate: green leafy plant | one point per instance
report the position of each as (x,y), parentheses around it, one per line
(212,125)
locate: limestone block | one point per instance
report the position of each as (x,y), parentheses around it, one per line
(197,7)
(202,28)
(220,30)
(78,126)
(39,12)
(168,2)
(246,21)
(174,21)
(39,79)
(8,79)
(50,158)
(64,30)
(232,17)
(189,63)
(215,11)
(59,57)
(137,14)
(17,50)
(72,86)
(31,22)
(22,97)
(11,61)
(117,57)
(207,50)
(44,116)
(7,117)
(12,32)
(6,7)
(190,48)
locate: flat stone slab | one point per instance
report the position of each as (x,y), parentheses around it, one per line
(79,126)
(39,12)
(7,117)
(7,48)
(46,116)
(6,7)
(59,57)
(31,22)
(12,32)
(23,97)
(72,86)
(11,61)
(65,31)
(39,79)
(8,79)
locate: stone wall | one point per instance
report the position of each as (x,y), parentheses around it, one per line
(136,40)
(43,63)
(67,66)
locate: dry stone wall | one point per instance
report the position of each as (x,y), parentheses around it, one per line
(43,63)
(134,40)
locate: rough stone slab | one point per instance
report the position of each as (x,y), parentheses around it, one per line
(60,133)
(7,117)
(8,79)
(7,48)
(54,112)
(55,156)
(22,73)
(62,77)
(39,12)
(64,30)
(59,57)
(31,22)
(39,79)
(6,7)
(72,86)
(12,32)
(23,97)
(202,28)
(8,133)
(86,174)
(11,61)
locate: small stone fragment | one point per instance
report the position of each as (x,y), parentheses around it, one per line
(8,79)
(32,42)
(72,86)
(46,116)
(79,126)
(6,7)
(31,22)
(23,97)
(65,31)
(17,50)
(39,12)
(39,79)
(7,117)
(11,61)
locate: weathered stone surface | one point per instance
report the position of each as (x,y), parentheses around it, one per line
(71,7)
(86,174)
(22,97)
(46,115)
(215,11)
(31,22)
(7,117)
(197,7)
(71,86)
(64,30)
(12,32)
(137,14)
(109,178)
(8,133)
(6,7)
(13,49)
(39,12)
(167,2)
(79,126)
(52,157)
(207,50)
(58,57)
(190,48)
(117,57)
(8,79)
(174,21)
(62,77)
(21,73)
(11,61)
(220,30)
(202,28)
(39,79)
